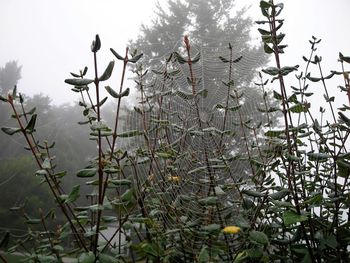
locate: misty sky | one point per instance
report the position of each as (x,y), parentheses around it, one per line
(52,38)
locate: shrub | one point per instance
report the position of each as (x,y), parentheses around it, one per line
(171,190)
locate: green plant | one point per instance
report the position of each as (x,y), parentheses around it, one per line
(172,193)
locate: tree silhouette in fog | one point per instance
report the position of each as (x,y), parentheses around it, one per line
(10,74)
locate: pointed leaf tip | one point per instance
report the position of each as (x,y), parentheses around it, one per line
(96,44)
(108,72)
(78,82)
(116,54)
(135,58)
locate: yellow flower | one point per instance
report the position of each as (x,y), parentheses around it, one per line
(174,179)
(231,230)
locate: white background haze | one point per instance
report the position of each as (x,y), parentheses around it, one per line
(52,38)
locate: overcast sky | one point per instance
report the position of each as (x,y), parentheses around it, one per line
(52,38)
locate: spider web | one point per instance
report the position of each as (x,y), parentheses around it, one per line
(173,182)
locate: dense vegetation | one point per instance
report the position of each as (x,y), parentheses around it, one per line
(169,184)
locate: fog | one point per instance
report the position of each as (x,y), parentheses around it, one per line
(52,38)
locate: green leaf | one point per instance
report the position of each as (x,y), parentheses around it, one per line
(271,71)
(268,49)
(253,193)
(291,217)
(158,72)
(116,54)
(85,71)
(235,108)
(277,96)
(280,194)
(135,58)
(255,253)
(96,207)
(14,92)
(75,75)
(10,131)
(274,133)
(120,182)
(184,95)
(219,106)
(102,133)
(210,200)
(116,95)
(46,164)
(343,168)
(203,256)
(104,258)
(265,4)
(31,124)
(41,173)
(109,219)
(99,125)
(314,200)
(102,101)
(196,57)
(224,60)
(131,133)
(320,157)
(203,93)
(78,82)
(3,99)
(345,119)
(31,111)
(229,84)
(343,58)
(73,195)
(87,172)
(293,99)
(212,228)
(86,257)
(258,237)
(108,72)
(263,31)
(237,59)
(286,70)
(165,155)
(174,72)
(112,92)
(197,170)
(60,174)
(241,257)
(179,58)
(313,79)
(96,44)
(128,195)
(298,108)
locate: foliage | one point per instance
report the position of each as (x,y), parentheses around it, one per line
(216,36)
(19,188)
(292,205)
